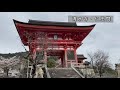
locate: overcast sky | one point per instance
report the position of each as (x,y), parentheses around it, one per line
(105,36)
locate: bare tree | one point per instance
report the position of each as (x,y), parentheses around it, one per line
(99,61)
(6,64)
(118,60)
(91,56)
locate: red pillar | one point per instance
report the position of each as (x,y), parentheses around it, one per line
(45,56)
(75,54)
(65,56)
(34,54)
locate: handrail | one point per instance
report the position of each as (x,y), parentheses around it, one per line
(76,71)
(46,70)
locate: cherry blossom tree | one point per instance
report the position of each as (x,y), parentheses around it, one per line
(6,64)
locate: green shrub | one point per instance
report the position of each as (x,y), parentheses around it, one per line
(51,63)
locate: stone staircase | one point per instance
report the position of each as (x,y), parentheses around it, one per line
(75,71)
(63,73)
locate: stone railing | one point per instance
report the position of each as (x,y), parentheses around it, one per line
(80,65)
(83,70)
(73,65)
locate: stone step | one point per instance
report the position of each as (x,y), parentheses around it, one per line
(62,73)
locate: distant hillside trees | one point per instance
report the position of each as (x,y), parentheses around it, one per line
(17,54)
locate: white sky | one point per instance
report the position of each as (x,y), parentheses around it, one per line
(105,36)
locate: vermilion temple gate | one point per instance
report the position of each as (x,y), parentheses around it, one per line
(58,38)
